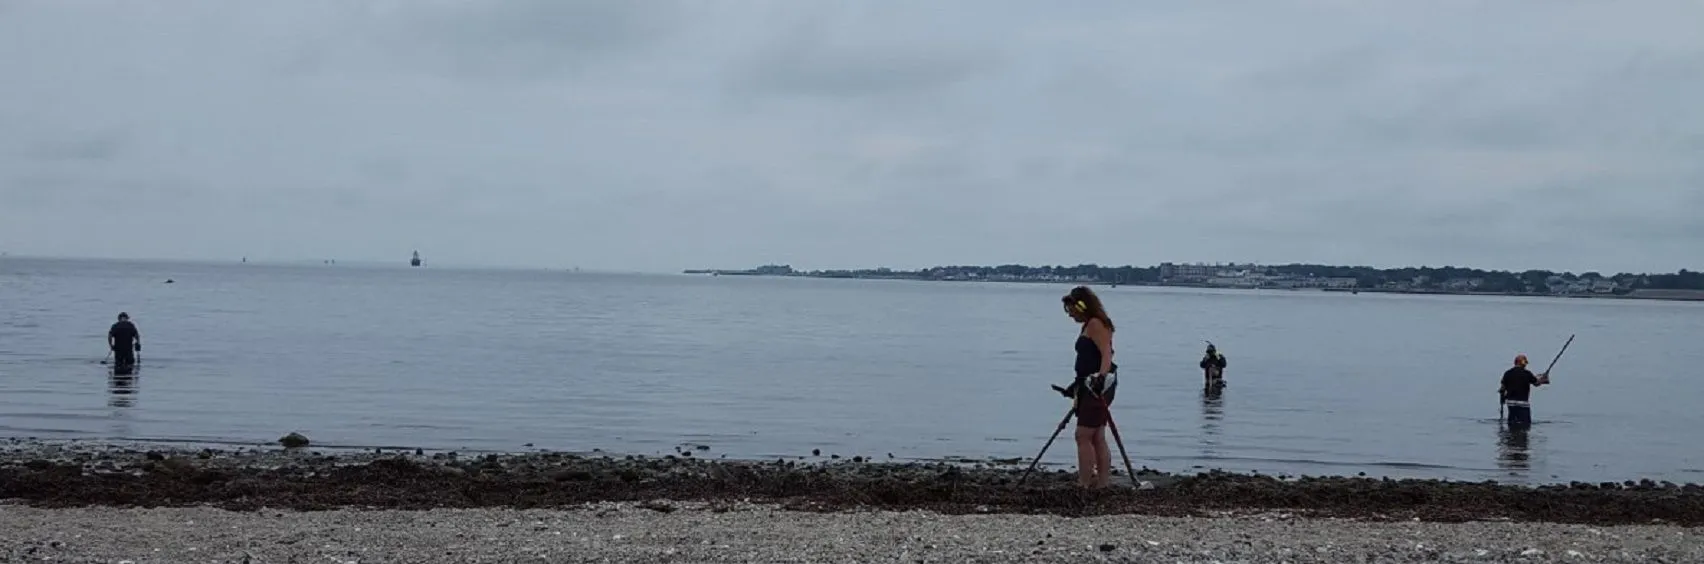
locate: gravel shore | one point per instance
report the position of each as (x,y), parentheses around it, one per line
(699,532)
(93,502)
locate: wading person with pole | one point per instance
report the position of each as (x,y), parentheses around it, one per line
(1516,391)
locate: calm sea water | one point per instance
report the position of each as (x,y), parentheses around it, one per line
(764,367)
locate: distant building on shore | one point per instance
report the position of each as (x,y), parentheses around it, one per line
(1196,272)
(1229,275)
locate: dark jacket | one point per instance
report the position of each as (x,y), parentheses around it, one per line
(124,335)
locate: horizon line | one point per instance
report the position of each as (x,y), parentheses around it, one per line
(364,263)
(403,263)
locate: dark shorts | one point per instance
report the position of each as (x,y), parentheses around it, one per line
(1092,410)
(124,355)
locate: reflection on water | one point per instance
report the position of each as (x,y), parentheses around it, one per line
(121,397)
(1513,449)
(1212,413)
(121,390)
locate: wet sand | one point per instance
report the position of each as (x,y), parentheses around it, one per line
(60,475)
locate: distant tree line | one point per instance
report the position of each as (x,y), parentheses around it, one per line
(1081,272)
(1490,280)
(1501,281)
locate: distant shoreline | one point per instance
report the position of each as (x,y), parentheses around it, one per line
(1686,296)
(1641,294)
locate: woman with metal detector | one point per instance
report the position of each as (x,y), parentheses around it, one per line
(1091,394)
(1094,387)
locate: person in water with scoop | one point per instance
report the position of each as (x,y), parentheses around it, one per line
(1213,367)
(1516,391)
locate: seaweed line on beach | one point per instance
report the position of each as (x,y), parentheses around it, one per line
(314,481)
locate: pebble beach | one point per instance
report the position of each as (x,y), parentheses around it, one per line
(700,532)
(87,502)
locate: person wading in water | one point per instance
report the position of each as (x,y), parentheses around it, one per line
(1093,389)
(124,341)
(1213,367)
(1516,391)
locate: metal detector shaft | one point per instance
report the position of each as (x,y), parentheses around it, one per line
(1121,453)
(1062,422)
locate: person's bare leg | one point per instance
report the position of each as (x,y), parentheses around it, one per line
(1086,456)
(1103,459)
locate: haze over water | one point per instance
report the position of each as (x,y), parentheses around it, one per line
(440,358)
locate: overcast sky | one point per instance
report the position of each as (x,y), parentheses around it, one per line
(657,135)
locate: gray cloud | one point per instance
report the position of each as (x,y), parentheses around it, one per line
(811,69)
(71,146)
(664,135)
(527,39)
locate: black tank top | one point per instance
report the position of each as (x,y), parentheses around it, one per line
(1088,356)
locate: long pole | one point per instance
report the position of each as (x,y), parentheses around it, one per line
(1559,354)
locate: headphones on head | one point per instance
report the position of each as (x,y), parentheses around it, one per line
(1074,302)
